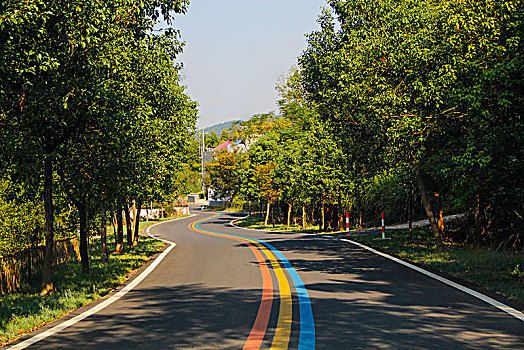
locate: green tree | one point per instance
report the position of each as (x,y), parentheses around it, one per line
(403,83)
(267,189)
(56,60)
(212,139)
(224,174)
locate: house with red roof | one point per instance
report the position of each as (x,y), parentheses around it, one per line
(222,146)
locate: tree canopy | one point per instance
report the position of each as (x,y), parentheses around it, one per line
(391,94)
(91,106)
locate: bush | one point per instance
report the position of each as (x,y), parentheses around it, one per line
(22,222)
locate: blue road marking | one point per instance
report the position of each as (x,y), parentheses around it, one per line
(306,340)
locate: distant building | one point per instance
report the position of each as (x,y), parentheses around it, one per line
(216,201)
(222,146)
(235,146)
(192,197)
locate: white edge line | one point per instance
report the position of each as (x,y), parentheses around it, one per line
(515,313)
(110,300)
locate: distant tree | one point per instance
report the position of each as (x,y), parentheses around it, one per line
(268,189)
(224,173)
(211,139)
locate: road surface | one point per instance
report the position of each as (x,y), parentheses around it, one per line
(227,288)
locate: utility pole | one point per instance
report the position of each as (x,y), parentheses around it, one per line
(203,151)
(410,210)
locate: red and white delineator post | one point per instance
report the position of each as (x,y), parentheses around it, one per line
(347,221)
(383,228)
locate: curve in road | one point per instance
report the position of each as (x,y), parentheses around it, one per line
(283,331)
(219,288)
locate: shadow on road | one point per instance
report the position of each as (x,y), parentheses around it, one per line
(184,317)
(370,302)
(364,301)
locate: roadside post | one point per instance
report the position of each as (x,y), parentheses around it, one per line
(383,228)
(347,221)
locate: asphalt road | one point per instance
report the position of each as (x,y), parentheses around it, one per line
(224,288)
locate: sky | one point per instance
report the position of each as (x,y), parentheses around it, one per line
(236,50)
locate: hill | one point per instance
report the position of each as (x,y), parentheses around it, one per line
(221,126)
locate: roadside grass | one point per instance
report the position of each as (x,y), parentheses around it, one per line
(237,206)
(497,271)
(26,311)
(257,223)
(223,208)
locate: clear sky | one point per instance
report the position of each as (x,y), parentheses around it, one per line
(236,50)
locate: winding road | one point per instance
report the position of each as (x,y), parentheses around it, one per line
(222,287)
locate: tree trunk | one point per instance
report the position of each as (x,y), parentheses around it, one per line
(273,215)
(477,216)
(129,227)
(113,222)
(303,217)
(429,212)
(137,223)
(84,256)
(103,236)
(359,205)
(340,213)
(440,219)
(134,214)
(161,210)
(267,213)
(289,207)
(333,224)
(119,237)
(47,273)
(322,225)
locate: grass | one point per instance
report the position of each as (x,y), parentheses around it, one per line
(26,311)
(257,223)
(498,272)
(224,208)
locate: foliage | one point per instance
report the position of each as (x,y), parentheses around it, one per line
(90,100)
(264,179)
(22,219)
(432,89)
(386,193)
(211,139)
(186,180)
(224,174)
